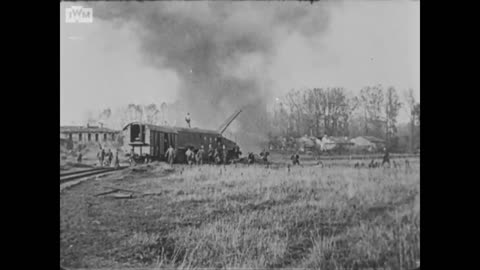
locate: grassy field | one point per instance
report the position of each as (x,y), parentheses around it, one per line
(332,217)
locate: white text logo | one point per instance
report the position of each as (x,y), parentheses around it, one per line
(78,14)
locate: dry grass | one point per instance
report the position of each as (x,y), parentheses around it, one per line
(247,217)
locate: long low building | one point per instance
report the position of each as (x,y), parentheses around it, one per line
(88,133)
(368,142)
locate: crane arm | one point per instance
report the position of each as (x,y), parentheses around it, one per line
(229,120)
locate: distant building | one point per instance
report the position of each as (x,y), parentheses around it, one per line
(369,143)
(329,143)
(88,134)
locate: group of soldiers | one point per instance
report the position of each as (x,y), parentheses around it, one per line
(213,155)
(107,159)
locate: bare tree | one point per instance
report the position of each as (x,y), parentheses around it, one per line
(337,111)
(371,101)
(151,114)
(293,99)
(392,107)
(413,108)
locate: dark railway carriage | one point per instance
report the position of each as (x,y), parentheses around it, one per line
(150,140)
(146,139)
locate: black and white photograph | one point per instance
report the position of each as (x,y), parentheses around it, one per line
(240,134)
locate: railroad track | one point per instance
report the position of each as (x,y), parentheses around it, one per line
(66,177)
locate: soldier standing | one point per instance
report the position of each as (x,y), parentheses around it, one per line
(188,155)
(386,157)
(109,157)
(224,154)
(187,119)
(210,154)
(251,158)
(132,157)
(216,156)
(79,158)
(170,155)
(117,161)
(199,156)
(102,157)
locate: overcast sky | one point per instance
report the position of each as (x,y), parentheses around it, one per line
(366,43)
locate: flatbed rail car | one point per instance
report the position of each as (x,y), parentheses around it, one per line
(153,141)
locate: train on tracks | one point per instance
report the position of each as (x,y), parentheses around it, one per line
(152,141)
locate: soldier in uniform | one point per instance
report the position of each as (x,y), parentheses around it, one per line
(295,159)
(109,157)
(101,157)
(251,158)
(236,154)
(216,156)
(224,154)
(386,157)
(188,155)
(199,155)
(132,157)
(117,161)
(187,119)
(79,158)
(210,154)
(219,149)
(170,155)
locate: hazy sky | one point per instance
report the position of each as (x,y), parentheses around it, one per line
(365,43)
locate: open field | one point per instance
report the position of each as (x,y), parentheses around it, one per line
(328,217)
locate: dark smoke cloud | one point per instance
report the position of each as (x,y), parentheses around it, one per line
(220,52)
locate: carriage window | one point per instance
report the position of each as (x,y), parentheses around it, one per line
(79,136)
(105,136)
(96,137)
(89,137)
(113,136)
(134,133)
(70,136)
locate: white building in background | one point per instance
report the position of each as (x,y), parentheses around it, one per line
(369,143)
(88,134)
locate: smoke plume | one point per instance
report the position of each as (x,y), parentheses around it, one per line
(221,52)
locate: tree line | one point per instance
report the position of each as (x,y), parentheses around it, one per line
(313,112)
(336,112)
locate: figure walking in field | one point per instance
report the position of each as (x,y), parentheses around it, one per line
(187,119)
(386,157)
(79,158)
(170,155)
(199,156)
(295,159)
(188,155)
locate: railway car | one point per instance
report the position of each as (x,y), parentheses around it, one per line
(153,141)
